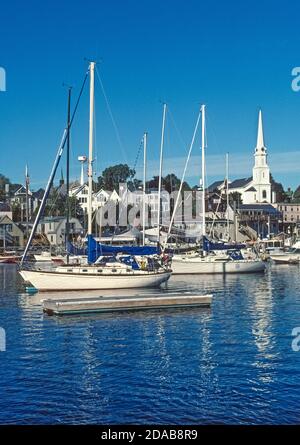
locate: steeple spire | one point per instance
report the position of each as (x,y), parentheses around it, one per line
(260,134)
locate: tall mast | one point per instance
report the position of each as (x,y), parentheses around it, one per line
(203,170)
(68,174)
(144,187)
(90,159)
(160,170)
(227,193)
(27,201)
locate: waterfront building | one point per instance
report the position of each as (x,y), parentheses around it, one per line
(11,234)
(54,228)
(99,198)
(264,218)
(258,187)
(5,210)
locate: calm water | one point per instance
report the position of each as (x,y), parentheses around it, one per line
(232,363)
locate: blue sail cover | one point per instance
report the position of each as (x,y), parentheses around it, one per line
(96,249)
(209,245)
(73,250)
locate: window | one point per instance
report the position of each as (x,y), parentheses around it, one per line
(264,194)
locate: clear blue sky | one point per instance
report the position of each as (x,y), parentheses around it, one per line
(233,56)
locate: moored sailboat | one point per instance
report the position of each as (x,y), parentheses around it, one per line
(120,271)
(210,260)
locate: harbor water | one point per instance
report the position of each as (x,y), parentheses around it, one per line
(230,364)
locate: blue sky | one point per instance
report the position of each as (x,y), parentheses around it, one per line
(233,56)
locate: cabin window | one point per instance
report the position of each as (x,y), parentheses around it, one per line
(99,270)
(114,270)
(69,270)
(84,270)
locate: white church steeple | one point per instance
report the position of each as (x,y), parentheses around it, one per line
(260,133)
(261,171)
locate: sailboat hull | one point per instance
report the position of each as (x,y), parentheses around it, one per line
(200,266)
(57,281)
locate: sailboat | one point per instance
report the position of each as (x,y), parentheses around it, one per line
(102,272)
(215,257)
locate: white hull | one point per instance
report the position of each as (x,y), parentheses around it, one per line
(45,258)
(58,281)
(285,258)
(204,266)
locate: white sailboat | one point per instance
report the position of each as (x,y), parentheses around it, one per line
(214,261)
(290,256)
(99,275)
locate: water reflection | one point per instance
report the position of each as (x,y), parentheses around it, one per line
(225,364)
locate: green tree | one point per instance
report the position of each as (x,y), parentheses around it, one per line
(277,187)
(235,197)
(172,182)
(3,180)
(112,176)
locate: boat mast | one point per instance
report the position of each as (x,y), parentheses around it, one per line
(203,170)
(51,177)
(144,187)
(227,193)
(90,159)
(68,175)
(160,170)
(27,201)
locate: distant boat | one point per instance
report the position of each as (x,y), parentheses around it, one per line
(9,258)
(215,264)
(230,260)
(118,271)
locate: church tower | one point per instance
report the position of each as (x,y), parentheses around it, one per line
(261,171)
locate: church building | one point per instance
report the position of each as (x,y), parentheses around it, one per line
(258,188)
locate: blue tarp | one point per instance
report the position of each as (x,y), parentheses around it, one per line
(96,249)
(73,250)
(209,245)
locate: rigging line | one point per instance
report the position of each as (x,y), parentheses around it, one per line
(112,117)
(52,174)
(137,157)
(95,145)
(183,177)
(177,129)
(132,180)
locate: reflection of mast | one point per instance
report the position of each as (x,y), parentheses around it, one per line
(27,181)
(82,160)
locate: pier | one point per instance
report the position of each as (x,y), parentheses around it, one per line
(110,304)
